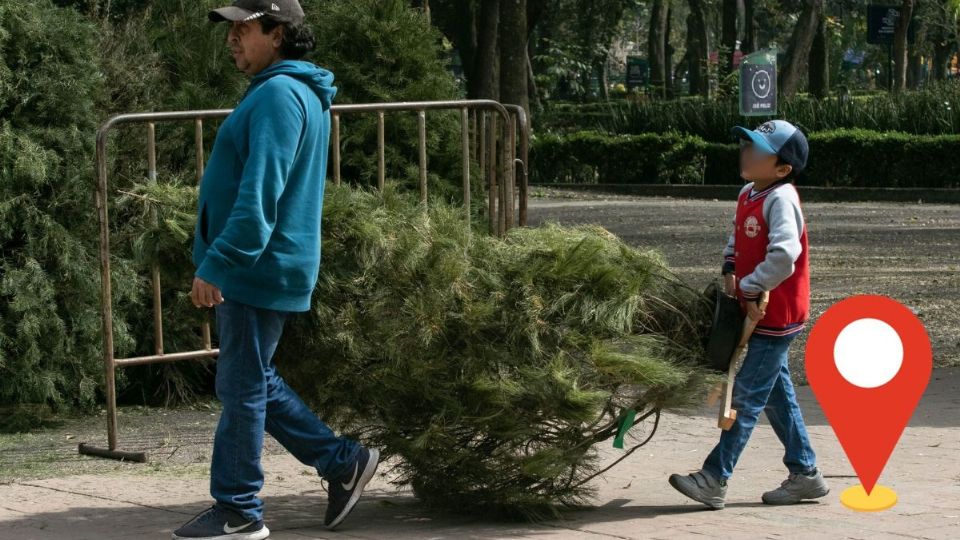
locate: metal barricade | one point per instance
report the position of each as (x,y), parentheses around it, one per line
(499,164)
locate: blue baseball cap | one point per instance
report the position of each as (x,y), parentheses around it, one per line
(778,138)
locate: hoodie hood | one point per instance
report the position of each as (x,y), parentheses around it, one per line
(316,78)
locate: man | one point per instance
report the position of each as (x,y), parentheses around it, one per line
(257,252)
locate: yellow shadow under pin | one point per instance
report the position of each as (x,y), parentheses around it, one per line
(856,498)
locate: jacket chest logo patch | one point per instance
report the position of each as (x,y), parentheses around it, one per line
(751,227)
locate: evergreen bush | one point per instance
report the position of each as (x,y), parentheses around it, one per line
(50,341)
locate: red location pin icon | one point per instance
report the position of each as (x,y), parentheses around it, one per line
(868,361)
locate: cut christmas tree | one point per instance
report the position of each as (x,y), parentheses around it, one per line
(489,369)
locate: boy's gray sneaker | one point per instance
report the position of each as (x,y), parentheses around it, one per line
(701,486)
(798,487)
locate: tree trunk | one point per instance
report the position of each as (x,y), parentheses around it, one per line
(820,61)
(900,46)
(656,46)
(941,55)
(513,53)
(749,28)
(698,47)
(532,89)
(600,68)
(486,73)
(458,21)
(914,67)
(798,52)
(669,51)
(728,34)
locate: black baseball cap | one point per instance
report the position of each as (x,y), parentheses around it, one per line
(780,138)
(288,11)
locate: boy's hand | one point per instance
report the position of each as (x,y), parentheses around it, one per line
(730,284)
(754,311)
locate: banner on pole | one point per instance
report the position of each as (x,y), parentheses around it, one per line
(758,84)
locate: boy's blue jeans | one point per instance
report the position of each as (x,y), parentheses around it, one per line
(763,384)
(255,398)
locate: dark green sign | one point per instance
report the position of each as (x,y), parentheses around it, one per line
(758,84)
(882,25)
(638,72)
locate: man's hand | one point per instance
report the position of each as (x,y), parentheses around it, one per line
(204,294)
(753,310)
(730,284)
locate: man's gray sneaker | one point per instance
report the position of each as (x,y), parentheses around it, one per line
(701,486)
(798,487)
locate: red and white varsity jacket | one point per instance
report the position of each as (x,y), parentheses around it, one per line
(768,252)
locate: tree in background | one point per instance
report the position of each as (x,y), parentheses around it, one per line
(657,47)
(506,38)
(819,74)
(698,48)
(900,48)
(514,54)
(798,51)
(733,16)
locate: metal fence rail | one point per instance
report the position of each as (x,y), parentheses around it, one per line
(497,158)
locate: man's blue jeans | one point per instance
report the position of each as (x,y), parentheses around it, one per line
(255,398)
(763,384)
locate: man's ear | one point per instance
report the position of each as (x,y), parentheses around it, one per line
(277,36)
(784,170)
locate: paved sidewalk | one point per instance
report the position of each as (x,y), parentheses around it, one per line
(634,500)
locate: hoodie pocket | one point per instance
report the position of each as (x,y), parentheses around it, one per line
(203,224)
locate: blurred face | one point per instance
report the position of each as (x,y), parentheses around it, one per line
(253,51)
(760,167)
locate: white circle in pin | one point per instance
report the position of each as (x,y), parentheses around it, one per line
(868,353)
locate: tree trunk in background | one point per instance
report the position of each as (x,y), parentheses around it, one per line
(600,68)
(487,83)
(657,46)
(820,61)
(698,47)
(669,51)
(914,67)
(535,12)
(728,35)
(941,55)
(900,46)
(798,52)
(532,89)
(458,21)
(513,53)
(749,28)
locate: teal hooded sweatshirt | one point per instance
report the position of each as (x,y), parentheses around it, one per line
(258,227)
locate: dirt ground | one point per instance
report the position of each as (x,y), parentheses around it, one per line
(910,252)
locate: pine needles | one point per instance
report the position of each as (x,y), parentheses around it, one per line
(490,367)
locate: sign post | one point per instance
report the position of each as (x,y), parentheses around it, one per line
(758,84)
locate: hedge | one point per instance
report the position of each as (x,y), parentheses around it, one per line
(932,111)
(841,158)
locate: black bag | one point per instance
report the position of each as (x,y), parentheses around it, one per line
(721,337)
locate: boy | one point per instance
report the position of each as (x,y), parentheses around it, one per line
(768,249)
